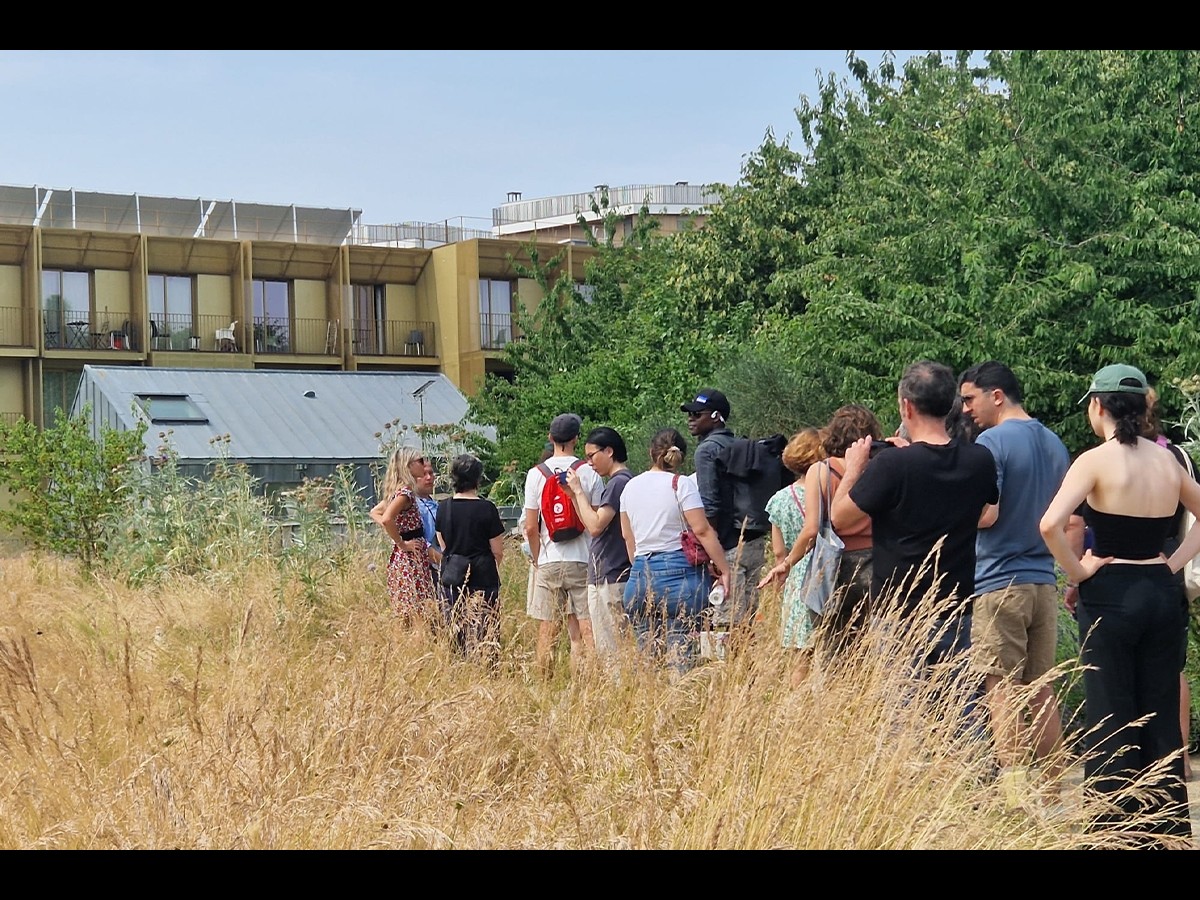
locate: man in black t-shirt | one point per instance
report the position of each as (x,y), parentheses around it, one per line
(924,499)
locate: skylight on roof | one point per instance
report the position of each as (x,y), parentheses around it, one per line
(171,409)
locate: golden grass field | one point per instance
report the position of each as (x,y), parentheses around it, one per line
(231,710)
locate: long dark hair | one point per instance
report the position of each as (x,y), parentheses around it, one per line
(1128,411)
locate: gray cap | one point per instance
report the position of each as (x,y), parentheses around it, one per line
(565,428)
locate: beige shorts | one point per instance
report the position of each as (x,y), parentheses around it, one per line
(1014,631)
(607,610)
(560,588)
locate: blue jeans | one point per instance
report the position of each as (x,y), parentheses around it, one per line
(663,599)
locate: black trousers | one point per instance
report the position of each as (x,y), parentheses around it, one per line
(1129,623)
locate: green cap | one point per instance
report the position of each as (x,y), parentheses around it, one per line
(1117,379)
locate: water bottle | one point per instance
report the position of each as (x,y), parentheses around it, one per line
(717,595)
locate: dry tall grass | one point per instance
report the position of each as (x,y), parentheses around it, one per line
(232,711)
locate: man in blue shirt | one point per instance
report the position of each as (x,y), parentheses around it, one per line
(1015,625)
(428,508)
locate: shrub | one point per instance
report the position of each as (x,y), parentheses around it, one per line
(66,484)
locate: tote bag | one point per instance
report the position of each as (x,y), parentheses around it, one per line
(820,579)
(1191,568)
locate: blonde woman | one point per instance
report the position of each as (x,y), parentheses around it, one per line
(786,510)
(410,583)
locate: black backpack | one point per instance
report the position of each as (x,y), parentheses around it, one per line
(756,470)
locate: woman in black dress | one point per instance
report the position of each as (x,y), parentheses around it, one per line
(472,538)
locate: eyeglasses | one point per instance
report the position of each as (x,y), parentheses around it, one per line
(588,456)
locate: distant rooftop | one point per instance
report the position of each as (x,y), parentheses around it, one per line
(198,217)
(661,199)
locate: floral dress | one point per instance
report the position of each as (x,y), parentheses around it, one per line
(410,584)
(786,511)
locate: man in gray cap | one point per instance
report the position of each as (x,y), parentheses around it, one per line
(724,496)
(560,563)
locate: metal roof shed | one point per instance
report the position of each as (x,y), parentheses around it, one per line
(285,425)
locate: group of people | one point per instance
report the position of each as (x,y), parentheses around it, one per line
(444,566)
(973,506)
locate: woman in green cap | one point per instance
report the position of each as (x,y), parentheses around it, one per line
(1129,610)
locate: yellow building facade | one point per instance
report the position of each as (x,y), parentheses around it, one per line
(151,281)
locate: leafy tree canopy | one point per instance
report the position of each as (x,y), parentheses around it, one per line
(1035,207)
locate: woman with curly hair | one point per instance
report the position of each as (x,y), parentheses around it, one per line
(409,580)
(847,612)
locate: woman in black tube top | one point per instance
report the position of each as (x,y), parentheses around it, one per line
(1130,612)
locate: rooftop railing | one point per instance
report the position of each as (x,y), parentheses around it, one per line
(418,234)
(691,196)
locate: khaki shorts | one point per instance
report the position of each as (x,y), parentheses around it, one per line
(607,610)
(559,588)
(1015,631)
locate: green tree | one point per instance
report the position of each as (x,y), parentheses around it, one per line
(66,486)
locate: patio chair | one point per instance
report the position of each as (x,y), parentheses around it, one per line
(226,338)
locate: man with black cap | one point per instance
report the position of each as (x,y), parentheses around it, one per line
(745,549)
(561,566)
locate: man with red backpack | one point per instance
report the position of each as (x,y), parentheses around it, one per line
(559,544)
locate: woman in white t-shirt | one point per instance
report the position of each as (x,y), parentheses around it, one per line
(665,593)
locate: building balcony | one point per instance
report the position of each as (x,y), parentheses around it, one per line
(495,330)
(296,336)
(396,338)
(84,330)
(12,327)
(186,333)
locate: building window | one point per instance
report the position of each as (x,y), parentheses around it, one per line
(586,292)
(272,316)
(66,307)
(495,313)
(171,409)
(370,312)
(170,302)
(58,394)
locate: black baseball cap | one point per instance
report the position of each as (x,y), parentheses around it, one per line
(708,399)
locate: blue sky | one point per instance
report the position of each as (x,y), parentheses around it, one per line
(403,135)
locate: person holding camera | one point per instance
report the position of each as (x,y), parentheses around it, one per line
(924,502)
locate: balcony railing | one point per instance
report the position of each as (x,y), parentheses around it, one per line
(75,329)
(11,418)
(396,338)
(12,330)
(183,332)
(495,330)
(281,334)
